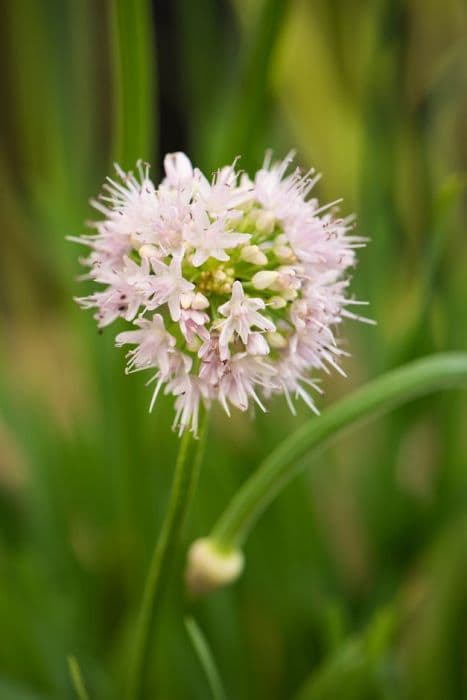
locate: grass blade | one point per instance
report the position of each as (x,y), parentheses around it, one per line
(77,679)
(206,658)
(133,62)
(247,104)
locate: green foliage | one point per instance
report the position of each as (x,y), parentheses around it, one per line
(355,578)
(77,679)
(133,67)
(358,669)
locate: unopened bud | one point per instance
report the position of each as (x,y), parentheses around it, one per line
(265,222)
(209,568)
(276,340)
(252,254)
(277,302)
(284,253)
(264,279)
(290,294)
(219,275)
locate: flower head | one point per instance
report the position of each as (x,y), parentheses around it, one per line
(234,287)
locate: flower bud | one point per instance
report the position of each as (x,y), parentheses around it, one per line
(265,222)
(290,294)
(277,303)
(209,568)
(276,340)
(252,254)
(219,275)
(226,288)
(284,253)
(264,279)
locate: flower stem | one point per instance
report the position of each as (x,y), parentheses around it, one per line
(379,396)
(183,487)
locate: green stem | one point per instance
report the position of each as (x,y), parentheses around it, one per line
(183,487)
(379,396)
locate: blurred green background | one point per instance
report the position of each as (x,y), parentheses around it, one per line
(356,578)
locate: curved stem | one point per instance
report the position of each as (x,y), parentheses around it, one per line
(183,487)
(379,396)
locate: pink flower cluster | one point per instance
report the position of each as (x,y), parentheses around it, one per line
(234,287)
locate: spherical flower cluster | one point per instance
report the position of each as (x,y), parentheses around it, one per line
(233,287)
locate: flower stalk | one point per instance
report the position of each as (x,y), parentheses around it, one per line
(187,469)
(374,399)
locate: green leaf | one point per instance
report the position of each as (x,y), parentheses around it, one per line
(206,659)
(133,63)
(354,670)
(246,112)
(77,679)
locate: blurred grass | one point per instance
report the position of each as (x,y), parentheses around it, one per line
(133,63)
(373,96)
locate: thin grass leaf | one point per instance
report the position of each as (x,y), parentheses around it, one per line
(382,120)
(206,659)
(247,103)
(77,679)
(134,82)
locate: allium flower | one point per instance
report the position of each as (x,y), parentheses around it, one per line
(234,287)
